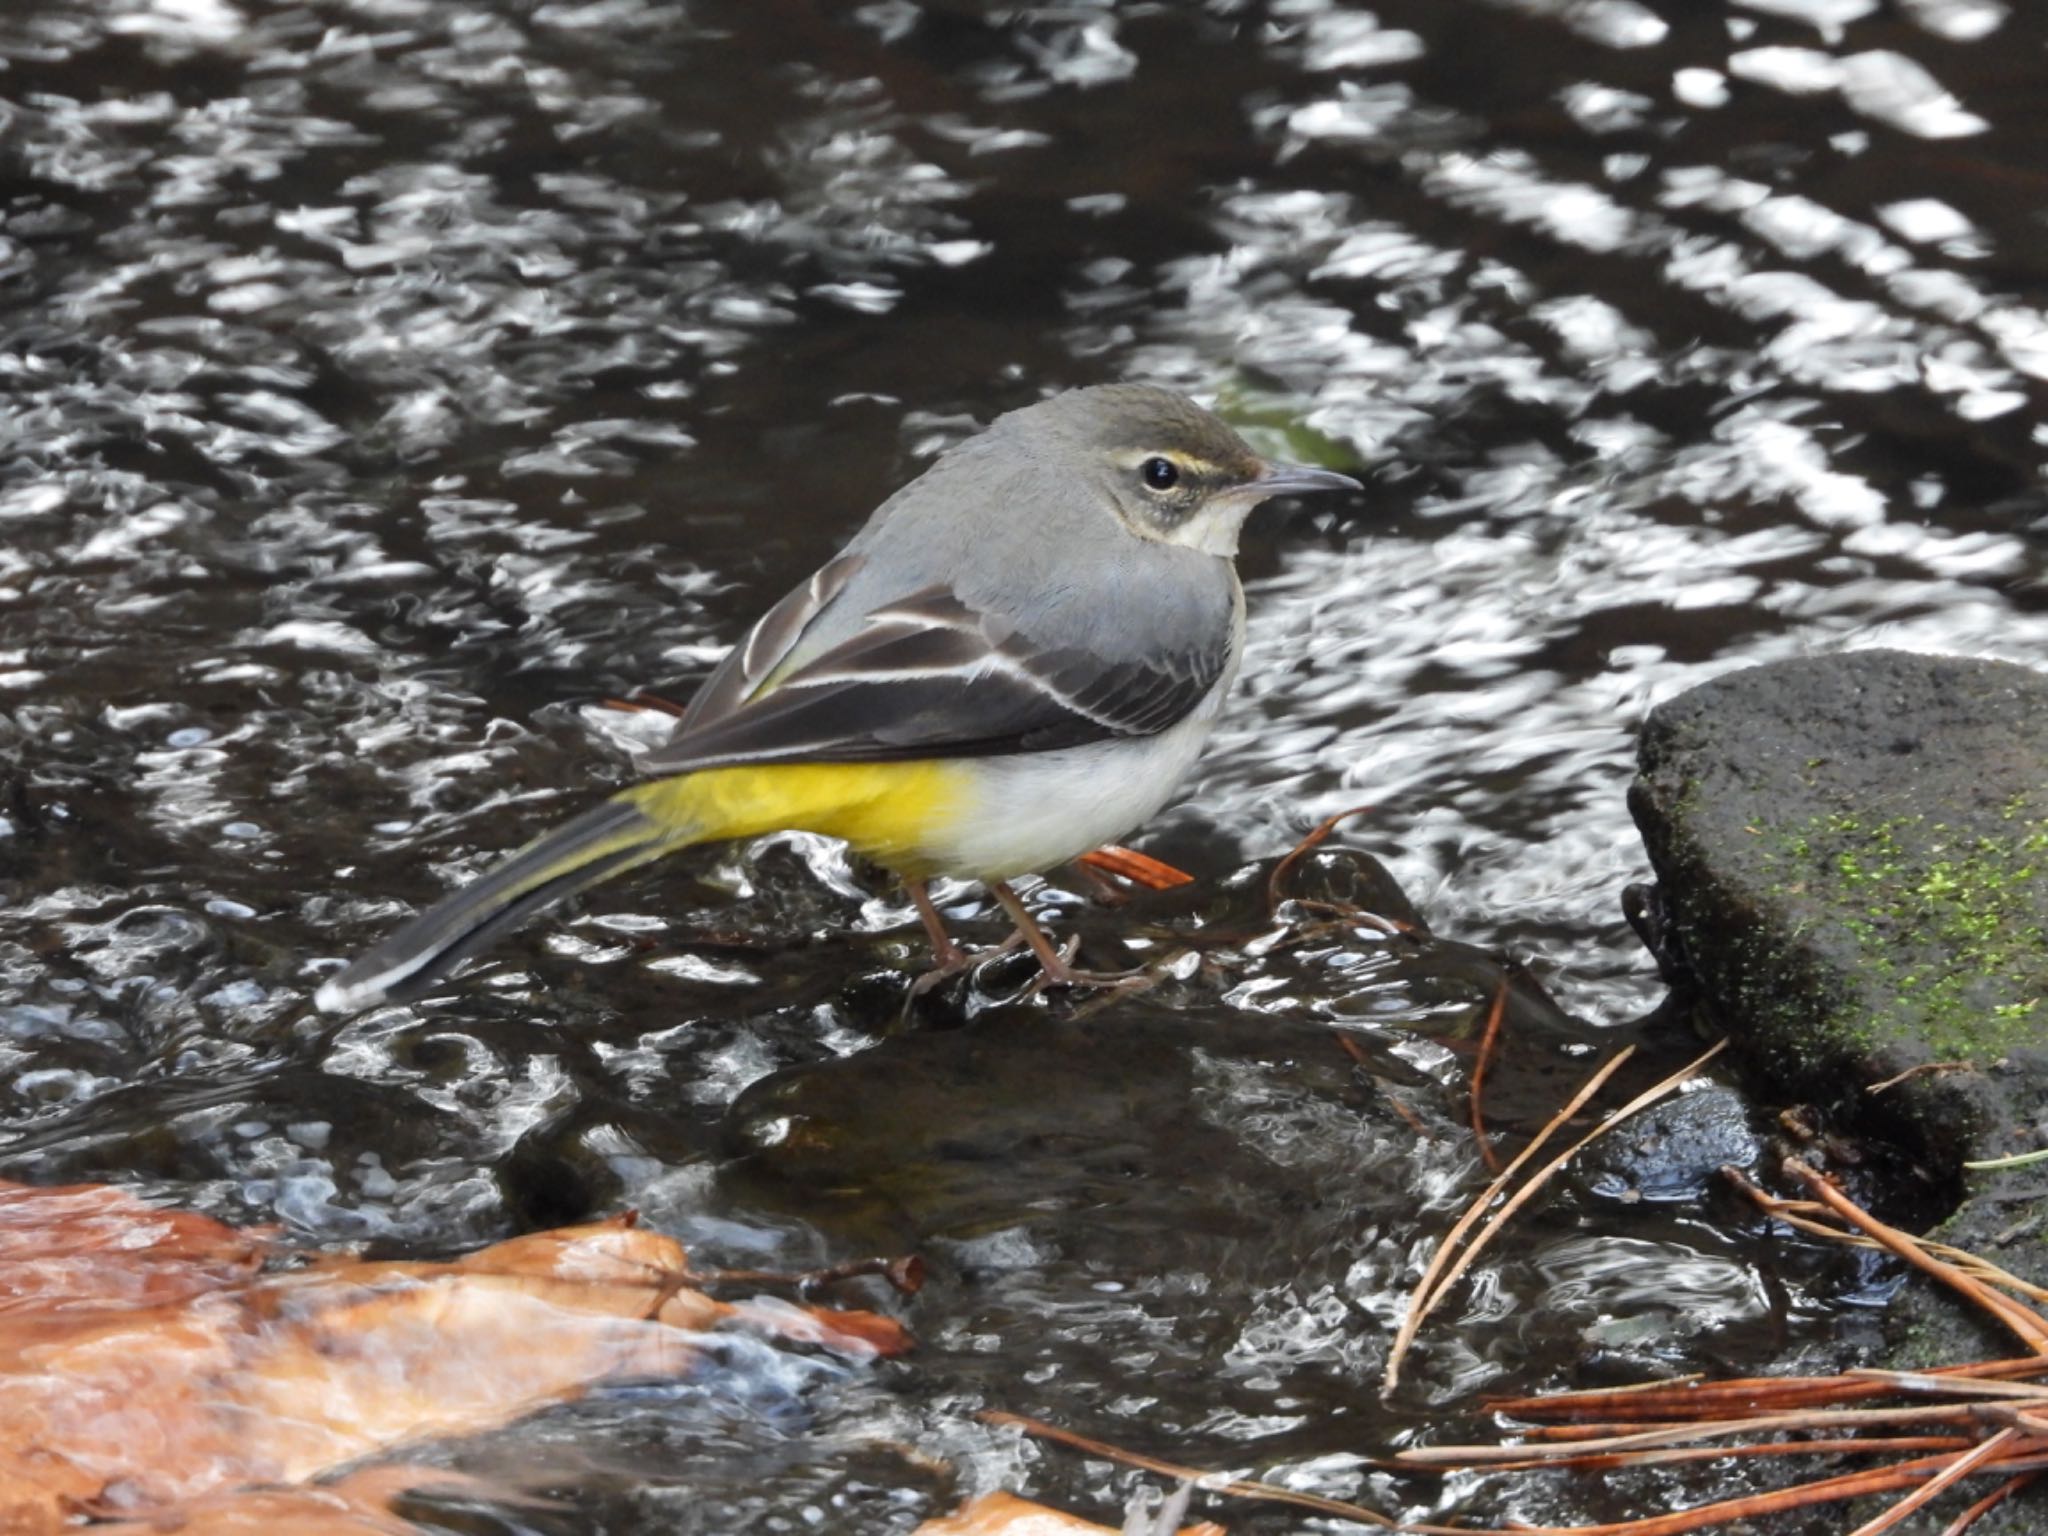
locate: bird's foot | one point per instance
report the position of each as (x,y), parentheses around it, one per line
(1058,970)
(953,960)
(1056,966)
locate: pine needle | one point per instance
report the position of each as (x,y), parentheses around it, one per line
(1436,1285)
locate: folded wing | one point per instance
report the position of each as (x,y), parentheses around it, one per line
(925,676)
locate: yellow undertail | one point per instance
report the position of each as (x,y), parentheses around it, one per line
(890,812)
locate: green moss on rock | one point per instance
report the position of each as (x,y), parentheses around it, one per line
(1947,917)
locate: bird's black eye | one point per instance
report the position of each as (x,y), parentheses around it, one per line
(1160,474)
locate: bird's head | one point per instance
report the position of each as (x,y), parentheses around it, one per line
(1167,469)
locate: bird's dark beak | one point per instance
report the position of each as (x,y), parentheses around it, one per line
(1299,480)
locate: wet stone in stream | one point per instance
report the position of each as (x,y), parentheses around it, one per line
(1675,1150)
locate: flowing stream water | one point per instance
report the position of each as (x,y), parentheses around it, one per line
(388,382)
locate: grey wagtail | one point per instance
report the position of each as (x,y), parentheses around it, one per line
(1016,660)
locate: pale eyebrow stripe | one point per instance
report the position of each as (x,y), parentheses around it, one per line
(1194,464)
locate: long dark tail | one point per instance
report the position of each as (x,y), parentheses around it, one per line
(596,845)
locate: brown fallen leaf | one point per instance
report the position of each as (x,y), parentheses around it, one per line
(356,1505)
(1004,1514)
(80,1241)
(172,1372)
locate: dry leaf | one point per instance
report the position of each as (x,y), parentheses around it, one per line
(145,1364)
(92,1241)
(356,1505)
(1004,1514)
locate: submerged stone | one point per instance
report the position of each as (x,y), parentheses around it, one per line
(1674,1151)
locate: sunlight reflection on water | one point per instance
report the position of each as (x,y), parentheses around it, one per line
(389,379)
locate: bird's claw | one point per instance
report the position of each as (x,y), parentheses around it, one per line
(1062,972)
(959,960)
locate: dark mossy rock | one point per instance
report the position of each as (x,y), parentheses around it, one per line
(1853,853)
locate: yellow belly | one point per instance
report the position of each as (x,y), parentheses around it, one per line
(894,813)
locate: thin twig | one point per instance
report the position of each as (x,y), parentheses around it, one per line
(1714,1399)
(642,703)
(1654,1439)
(2028,1325)
(1522,1196)
(1408,1116)
(2001,1401)
(1599,1461)
(1422,1300)
(1926,1384)
(2022,1455)
(1925,1069)
(1209,1482)
(1933,1488)
(1989,1502)
(1356,1052)
(1798,1214)
(2006,1164)
(905,1275)
(1851,1485)
(1494,1014)
(1276,882)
